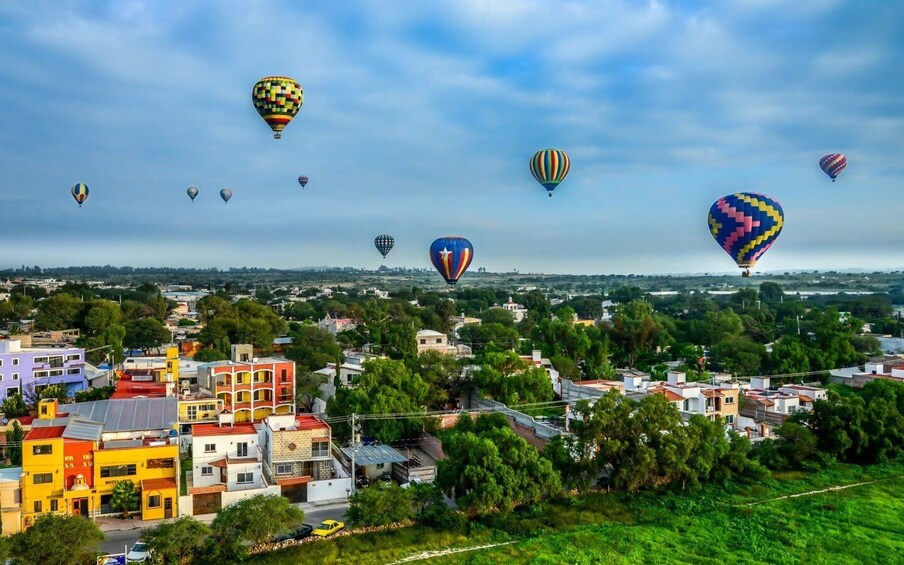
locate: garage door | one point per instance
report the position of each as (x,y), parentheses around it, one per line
(206,503)
(295,493)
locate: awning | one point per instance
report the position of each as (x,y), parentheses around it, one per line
(159,484)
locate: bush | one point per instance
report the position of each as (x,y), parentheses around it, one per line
(380,504)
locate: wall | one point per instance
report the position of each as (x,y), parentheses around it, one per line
(228,498)
(331,489)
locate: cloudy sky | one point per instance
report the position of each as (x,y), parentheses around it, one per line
(419,118)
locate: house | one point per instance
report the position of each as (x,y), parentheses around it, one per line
(517,311)
(76,453)
(11,499)
(373,461)
(430,340)
(458,322)
(49,339)
(297,456)
(27,368)
(336,325)
(149,377)
(348,373)
(888,370)
(251,388)
(197,406)
(226,467)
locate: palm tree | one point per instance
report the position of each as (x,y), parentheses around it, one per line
(125,497)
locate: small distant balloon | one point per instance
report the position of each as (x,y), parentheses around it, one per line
(79,192)
(303,181)
(192,192)
(226,194)
(550,167)
(451,256)
(277,100)
(746,225)
(384,244)
(832,164)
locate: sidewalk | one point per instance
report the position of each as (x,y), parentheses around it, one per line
(114,524)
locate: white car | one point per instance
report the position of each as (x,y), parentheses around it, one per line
(138,553)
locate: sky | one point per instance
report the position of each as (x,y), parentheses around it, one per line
(419,119)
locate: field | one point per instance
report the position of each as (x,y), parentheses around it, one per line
(861,524)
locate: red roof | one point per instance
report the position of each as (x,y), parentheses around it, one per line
(295,481)
(309,422)
(132,389)
(158,484)
(47,432)
(217,430)
(207,490)
(25,420)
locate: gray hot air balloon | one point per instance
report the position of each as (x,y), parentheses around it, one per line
(226,194)
(192,192)
(303,181)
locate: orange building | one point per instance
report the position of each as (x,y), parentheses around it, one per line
(251,388)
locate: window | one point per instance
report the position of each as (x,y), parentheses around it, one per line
(40,360)
(244,478)
(56,361)
(12,391)
(54,505)
(210,448)
(39,374)
(423,342)
(206,471)
(72,357)
(42,478)
(283,468)
(729,419)
(241,449)
(160,463)
(1,362)
(15,376)
(729,400)
(154,501)
(320,449)
(439,340)
(117,471)
(46,449)
(73,371)
(39,506)
(283,376)
(55,372)
(15,361)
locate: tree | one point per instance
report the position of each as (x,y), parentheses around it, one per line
(488,336)
(444,309)
(510,380)
(101,314)
(789,356)
(634,330)
(771,293)
(175,543)
(441,372)
(431,510)
(93,394)
(145,334)
(58,539)
(15,435)
(739,354)
(307,387)
(58,312)
(254,520)
(379,504)
(125,497)
(14,406)
(209,355)
(312,348)
(498,315)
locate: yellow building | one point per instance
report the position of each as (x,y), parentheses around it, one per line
(72,460)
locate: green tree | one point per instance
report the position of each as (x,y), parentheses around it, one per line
(57,539)
(124,497)
(312,348)
(739,354)
(208,355)
(145,334)
(771,293)
(14,406)
(176,543)
(307,389)
(789,356)
(254,520)
(101,314)
(445,310)
(634,330)
(489,336)
(15,435)
(379,504)
(510,380)
(442,373)
(497,315)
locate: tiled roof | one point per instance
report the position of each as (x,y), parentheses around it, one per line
(204,430)
(207,490)
(46,432)
(293,481)
(309,422)
(158,484)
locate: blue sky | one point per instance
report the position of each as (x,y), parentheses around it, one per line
(418,121)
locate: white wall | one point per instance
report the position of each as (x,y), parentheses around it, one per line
(233,497)
(331,489)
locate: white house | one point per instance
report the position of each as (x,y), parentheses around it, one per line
(518,311)
(348,373)
(336,325)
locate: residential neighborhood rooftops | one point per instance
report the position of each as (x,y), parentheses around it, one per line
(130,414)
(374,455)
(201,430)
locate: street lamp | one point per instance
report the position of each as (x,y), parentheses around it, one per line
(348,493)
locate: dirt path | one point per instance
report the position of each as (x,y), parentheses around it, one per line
(821,491)
(439,553)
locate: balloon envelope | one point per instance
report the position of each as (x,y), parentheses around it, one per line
(745,225)
(832,164)
(550,167)
(303,181)
(384,244)
(226,194)
(451,256)
(79,191)
(192,192)
(277,100)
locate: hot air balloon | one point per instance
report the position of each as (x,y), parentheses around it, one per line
(277,100)
(384,244)
(226,194)
(550,167)
(745,225)
(79,192)
(192,192)
(303,181)
(832,164)
(451,256)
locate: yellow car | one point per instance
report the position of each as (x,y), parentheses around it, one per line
(327,528)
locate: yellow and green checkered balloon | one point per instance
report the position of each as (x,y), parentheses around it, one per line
(277,100)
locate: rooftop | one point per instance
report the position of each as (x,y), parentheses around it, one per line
(374,455)
(46,432)
(205,430)
(129,414)
(309,422)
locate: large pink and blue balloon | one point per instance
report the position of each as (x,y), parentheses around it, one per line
(745,225)
(832,164)
(451,256)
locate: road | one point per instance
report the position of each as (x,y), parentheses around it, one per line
(116,541)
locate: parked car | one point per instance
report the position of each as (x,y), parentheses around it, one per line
(299,533)
(328,528)
(138,553)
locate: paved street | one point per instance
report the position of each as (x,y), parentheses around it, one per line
(116,541)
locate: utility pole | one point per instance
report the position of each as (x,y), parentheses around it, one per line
(354,448)
(798,324)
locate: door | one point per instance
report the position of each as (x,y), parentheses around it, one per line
(296,493)
(206,503)
(80,507)
(167,507)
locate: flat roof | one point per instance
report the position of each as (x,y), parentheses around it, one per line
(309,422)
(129,414)
(202,430)
(374,455)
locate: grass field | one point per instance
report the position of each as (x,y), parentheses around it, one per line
(863,524)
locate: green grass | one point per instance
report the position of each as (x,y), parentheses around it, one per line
(710,525)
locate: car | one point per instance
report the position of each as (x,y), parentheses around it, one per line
(297,533)
(328,528)
(138,553)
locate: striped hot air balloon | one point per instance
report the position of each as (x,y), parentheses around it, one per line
(79,191)
(550,167)
(745,225)
(832,164)
(384,244)
(451,256)
(277,100)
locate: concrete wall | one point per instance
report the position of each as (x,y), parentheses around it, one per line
(331,489)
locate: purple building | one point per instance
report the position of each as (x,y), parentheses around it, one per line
(23,369)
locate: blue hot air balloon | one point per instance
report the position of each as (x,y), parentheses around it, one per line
(384,244)
(745,225)
(451,256)
(226,194)
(79,191)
